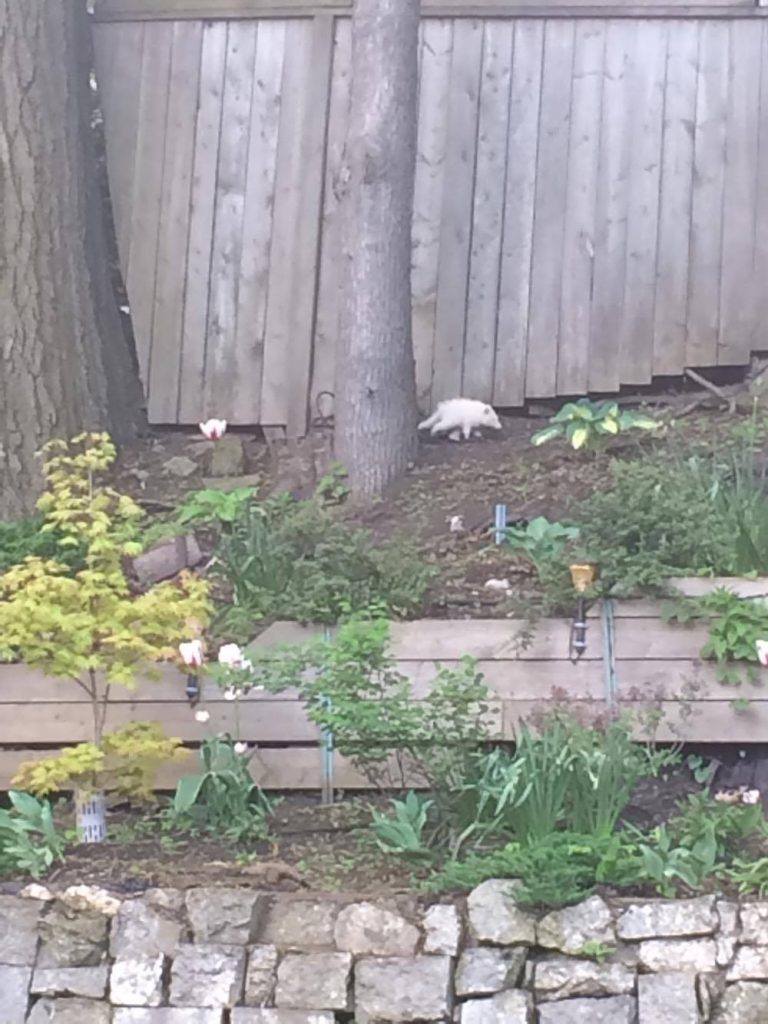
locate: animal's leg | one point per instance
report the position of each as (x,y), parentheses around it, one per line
(466,431)
(454,435)
(437,427)
(429,421)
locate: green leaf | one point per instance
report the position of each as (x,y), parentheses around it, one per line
(579,437)
(547,434)
(187,792)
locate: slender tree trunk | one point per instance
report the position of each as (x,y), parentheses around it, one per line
(65,361)
(375,400)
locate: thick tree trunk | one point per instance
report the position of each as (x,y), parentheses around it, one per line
(375,400)
(65,361)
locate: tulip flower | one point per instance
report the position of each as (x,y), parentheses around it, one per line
(213,430)
(231,693)
(750,796)
(231,656)
(192,653)
(240,748)
(762,651)
(202,716)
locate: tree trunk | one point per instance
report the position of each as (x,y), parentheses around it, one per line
(375,398)
(65,361)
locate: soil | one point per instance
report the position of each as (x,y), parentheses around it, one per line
(311,846)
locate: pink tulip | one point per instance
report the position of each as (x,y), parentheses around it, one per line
(213,430)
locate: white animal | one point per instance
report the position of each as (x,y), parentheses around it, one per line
(461,416)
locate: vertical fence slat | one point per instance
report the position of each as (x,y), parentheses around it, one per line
(205,159)
(455,227)
(551,184)
(675,209)
(118,54)
(616,136)
(760,268)
(174,223)
(329,285)
(708,180)
(517,237)
(578,243)
(488,212)
(738,302)
(636,335)
(147,187)
(435,69)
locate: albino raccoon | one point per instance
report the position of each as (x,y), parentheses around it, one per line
(461,416)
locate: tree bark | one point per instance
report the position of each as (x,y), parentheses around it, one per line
(65,361)
(375,398)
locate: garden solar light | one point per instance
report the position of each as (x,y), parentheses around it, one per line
(581,577)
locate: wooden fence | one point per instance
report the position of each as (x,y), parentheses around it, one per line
(656,667)
(589,212)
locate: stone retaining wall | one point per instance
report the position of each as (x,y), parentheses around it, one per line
(237,956)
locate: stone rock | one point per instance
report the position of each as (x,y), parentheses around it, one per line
(318,981)
(245,1016)
(495,917)
(662,998)
(659,919)
(366,929)
(442,929)
(402,989)
(746,1002)
(227,456)
(614,1010)
(91,898)
(232,483)
(682,954)
(167,1015)
(166,559)
(754,922)
(137,981)
(300,924)
(261,975)
(561,977)
(71,939)
(14,988)
(180,466)
(483,971)
(727,934)
(144,927)
(70,1011)
(18,931)
(751,964)
(35,891)
(709,992)
(570,929)
(70,981)
(225,916)
(203,976)
(513,1007)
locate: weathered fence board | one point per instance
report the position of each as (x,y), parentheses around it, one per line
(657,669)
(587,209)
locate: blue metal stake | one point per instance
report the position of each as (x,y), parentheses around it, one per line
(500,523)
(327,742)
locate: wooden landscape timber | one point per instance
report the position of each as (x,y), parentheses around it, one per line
(657,668)
(586,211)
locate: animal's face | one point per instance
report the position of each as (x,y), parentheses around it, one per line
(490,419)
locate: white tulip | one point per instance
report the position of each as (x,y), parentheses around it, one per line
(202,716)
(240,748)
(212,430)
(750,796)
(231,694)
(762,651)
(192,653)
(231,656)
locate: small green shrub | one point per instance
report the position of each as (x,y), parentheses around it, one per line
(586,424)
(222,798)
(292,559)
(541,540)
(656,520)
(29,841)
(402,833)
(26,538)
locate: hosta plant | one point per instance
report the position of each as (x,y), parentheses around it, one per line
(586,424)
